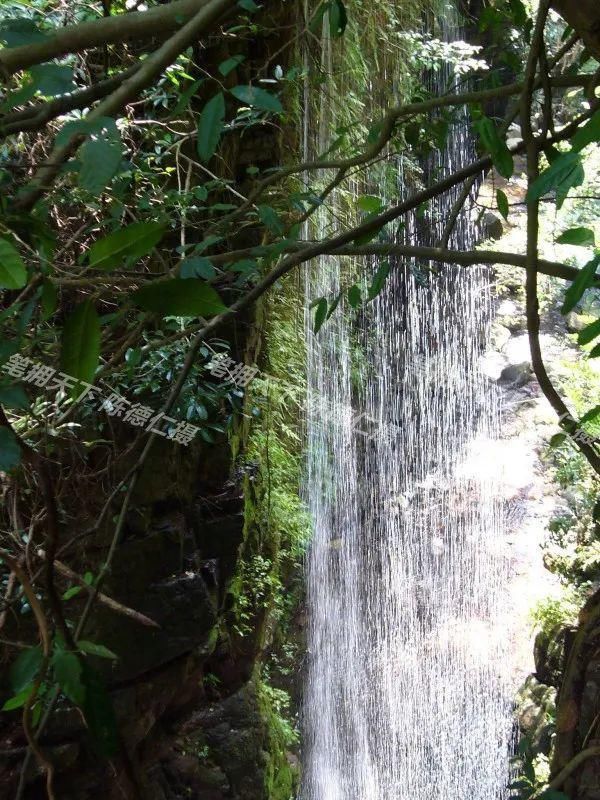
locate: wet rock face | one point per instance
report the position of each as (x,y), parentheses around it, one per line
(536,706)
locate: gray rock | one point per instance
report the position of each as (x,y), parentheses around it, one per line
(514,376)
(492,225)
(499,336)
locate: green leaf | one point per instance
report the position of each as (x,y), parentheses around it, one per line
(93,649)
(99,713)
(100,159)
(25,668)
(583,237)
(270,219)
(583,281)
(354,296)
(380,276)
(370,203)
(81,342)
(258,98)
(496,147)
(128,244)
(52,79)
(248,5)
(230,64)
(10,452)
(18,701)
(197,267)
(72,592)
(558,439)
(588,134)
(559,174)
(48,300)
(338,18)
(13,274)
(502,202)
(595,352)
(181,298)
(14,396)
(589,333)
(210,127)
(590,415)
(19,31)
(320,314)
(67,673)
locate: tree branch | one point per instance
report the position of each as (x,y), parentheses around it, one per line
(156,22)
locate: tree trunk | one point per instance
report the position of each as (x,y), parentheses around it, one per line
(584,17)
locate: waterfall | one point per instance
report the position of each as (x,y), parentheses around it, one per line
(406,691)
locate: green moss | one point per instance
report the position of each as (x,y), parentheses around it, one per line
(281,775)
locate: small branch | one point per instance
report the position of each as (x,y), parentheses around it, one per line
(119,608)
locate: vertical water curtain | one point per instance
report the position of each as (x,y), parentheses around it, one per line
(406,691)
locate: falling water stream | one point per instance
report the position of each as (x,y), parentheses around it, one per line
(406,693)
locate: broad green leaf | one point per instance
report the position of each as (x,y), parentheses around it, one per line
(588,134)
(583,237)
(271,220)
(93,649)
(197,267)
(379,279)
(258,98)
(248,5)
(230,64)
(13,274)
(590,415)
(81,342)
(354,296)
(126,245)
(496,147)
(502,202)
(52,79)
(181,298)
(72,592)
(320,314)
(582,282)
(10,452)
(370,203)
(589,333)
(558,439)
(67,673)
(88,127)
(100,159)
(338,18)
(25,668)
(19,31)
(14,396)
(210,127)
(98,712)
(48,300)
(595,352)
(18,701)
(560,173)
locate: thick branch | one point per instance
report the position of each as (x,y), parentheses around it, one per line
(158,22)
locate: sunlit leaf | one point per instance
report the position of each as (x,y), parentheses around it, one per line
(559,176)
(589,333)
(502,202)
(583,237)
(582,282)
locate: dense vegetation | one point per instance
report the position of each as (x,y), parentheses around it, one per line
(153,193)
